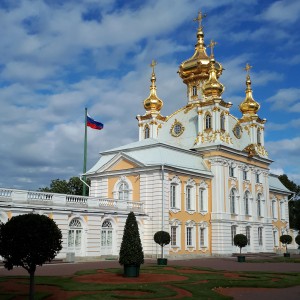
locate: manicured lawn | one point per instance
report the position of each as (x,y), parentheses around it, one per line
(153,283)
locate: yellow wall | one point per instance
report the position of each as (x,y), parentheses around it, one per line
(197,217)
(122,165)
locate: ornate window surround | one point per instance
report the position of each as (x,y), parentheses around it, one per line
(175,181)
(121,180)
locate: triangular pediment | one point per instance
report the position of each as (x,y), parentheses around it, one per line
(121,161)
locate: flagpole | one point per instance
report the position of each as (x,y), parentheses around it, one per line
(84,154)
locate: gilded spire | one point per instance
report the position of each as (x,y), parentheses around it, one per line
(153,103)
(212,86)
(249,107)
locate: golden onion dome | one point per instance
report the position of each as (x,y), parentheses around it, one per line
(198,65)
(249,106)
(153,103)
(212,87)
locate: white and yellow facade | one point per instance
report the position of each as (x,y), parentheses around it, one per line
(202,174)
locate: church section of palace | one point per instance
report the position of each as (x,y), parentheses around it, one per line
(201,174)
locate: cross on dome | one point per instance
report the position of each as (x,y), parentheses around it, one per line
(199,18)
(211,45)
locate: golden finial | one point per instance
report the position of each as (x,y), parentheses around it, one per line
(247,69)
(153,64)
(200,17)
(211,45)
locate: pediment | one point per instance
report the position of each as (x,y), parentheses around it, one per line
(121,162)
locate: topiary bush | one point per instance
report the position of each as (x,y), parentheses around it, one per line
(286,239)
(240,240)
(131,251)
(162,238)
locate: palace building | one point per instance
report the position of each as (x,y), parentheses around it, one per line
(202,174)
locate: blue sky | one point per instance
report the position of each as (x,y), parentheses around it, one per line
(58,57)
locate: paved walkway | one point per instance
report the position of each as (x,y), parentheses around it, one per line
(228,264)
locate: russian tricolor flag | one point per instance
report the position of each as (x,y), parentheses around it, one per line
(93,124)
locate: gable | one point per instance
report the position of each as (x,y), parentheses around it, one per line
(122,164)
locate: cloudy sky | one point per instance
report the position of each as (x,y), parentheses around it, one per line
(59,56)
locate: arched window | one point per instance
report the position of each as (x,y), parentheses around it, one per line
(282,210)
(75,235)
(246,203)
(208,121)
(123,191)
(106,238)
(203,198)
(222,122)
(147,132)
(232,197)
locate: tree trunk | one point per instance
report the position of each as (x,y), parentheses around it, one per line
(31,286)
(162,252)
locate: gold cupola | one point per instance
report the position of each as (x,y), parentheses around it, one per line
(197,67)
(249,107)
(212,87)
(153,104)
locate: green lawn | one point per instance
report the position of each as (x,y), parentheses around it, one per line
(196,286)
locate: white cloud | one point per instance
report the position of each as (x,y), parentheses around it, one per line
(284,12)
(286,99)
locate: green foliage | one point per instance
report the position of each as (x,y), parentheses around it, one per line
(294,205)
(297,239)
(29,240)
(131,251)
(240,240)
(72,187)
(162,238)
(286,239)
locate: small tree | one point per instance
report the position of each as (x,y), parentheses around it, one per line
(28,241)
(162,238)
(240,240)
(131,251)
(286,239)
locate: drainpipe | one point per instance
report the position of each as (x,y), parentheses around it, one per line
(162,205)
(80,177)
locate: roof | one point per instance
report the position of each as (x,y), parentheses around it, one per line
(275,184)
(152,152)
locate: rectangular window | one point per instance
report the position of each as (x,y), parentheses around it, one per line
(173,236)
(201,199)
(273,209)
(188,198)
(173,196)
(189,238)
(275,240)
(257,178)
(248,235)
(260,236)
(231,171)
(233,233)
(282,215)
(245,175)
(202,237)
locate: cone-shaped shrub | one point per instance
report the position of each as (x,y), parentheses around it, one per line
(131,251)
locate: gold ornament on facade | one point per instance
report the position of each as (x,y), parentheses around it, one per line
(253,149)
(249,107)
(153,103)
(177,129)
(237,131)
